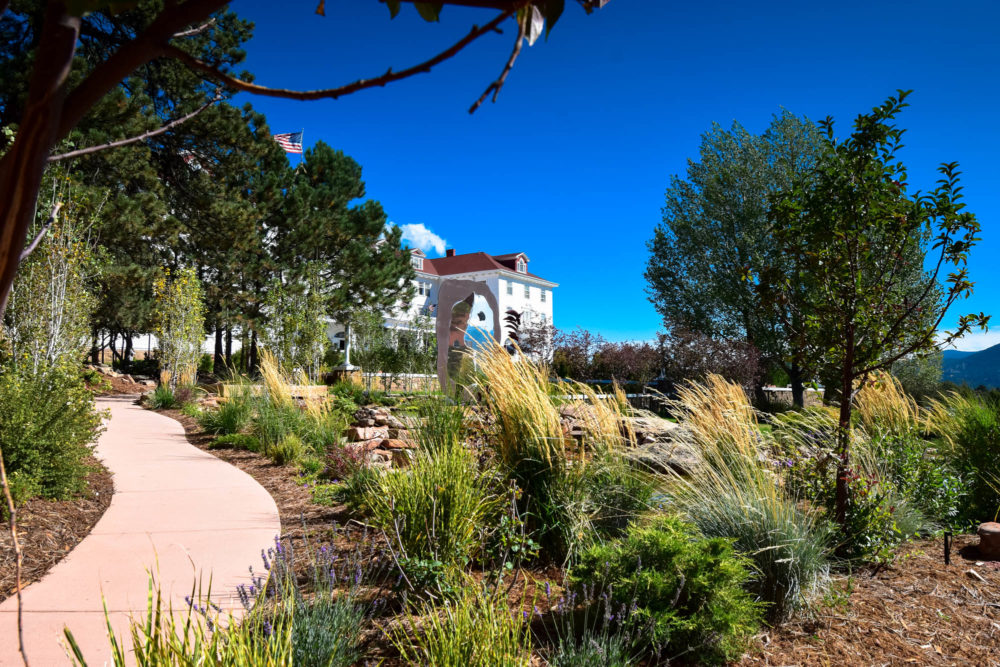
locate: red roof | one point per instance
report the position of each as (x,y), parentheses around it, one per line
(474,261)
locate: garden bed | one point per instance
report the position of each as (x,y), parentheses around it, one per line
(919,611)
(49,529)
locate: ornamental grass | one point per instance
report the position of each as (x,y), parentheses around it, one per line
(737,493)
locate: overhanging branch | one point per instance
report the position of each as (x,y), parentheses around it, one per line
(194,31)
(498,84)
(38,238)
(169,50)
(136,139)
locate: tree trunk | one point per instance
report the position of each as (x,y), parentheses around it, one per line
(111,345)
(94,348)
(798,390)
(252,361)
(21,168)
(229,347)
(218,363)
(127,356)
(844,428)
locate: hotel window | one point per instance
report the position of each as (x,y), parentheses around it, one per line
(510,288)
(543,296)
(527,292)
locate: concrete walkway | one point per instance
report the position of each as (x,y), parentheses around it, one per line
(176,509)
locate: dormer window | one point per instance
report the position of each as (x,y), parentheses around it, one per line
(417,262)
(522,267)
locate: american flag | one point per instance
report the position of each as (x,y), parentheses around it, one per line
(290,141)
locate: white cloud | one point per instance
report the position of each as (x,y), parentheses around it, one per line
(976,341)
(419,236)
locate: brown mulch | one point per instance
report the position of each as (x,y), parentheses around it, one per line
(123,386)
(920,611)
(49,529)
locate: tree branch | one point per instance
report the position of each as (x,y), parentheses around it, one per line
(498,84)
(169,50)
(132,140)
(194,31)
(45,228)
(141,49)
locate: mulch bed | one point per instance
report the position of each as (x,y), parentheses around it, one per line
(919,611)
(49,529)
(121,385)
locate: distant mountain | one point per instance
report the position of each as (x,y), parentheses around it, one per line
(972,368)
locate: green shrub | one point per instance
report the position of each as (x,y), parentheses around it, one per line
(442,427)
(601,649)
(688,589)
(47,422)
(311,465)
(235,441)
(232,416)
(206,363)
(326,631)
(435,509)
(288,451)
(969,427)
(162,398)
(356,488)
(476,630)
(273,421)
(619,493)
(921,474)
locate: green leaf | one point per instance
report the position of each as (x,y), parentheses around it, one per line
(430,11)
(552,10)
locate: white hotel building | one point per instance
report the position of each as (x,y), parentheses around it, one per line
(507,277)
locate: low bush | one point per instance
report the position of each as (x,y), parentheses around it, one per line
(592,631)
(687,591)
(288,451)
(434,510)
(47,424)
(969,429)
(311,465)
(163,398)
(232,416)
(235,441)
(476,630)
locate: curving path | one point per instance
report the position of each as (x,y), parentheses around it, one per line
(176,509)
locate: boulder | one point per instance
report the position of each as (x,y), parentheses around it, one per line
(651,429)
(393,443)
(989,539)
(381,420)
(360,433)
(402,457)
(377,456)
(394,423)
(664,457)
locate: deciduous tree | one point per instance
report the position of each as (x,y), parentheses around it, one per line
(858,238)
(717,225)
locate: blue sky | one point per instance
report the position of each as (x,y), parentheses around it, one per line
(571,163)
